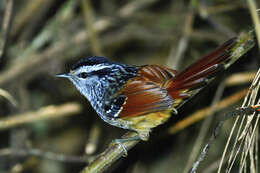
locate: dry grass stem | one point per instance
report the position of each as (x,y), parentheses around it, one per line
(41,154)
(200,114)
(5,26)
(255,16)
(8,97)
(205,127)
(245,134)
(45,113)
(110,155)
(240,78)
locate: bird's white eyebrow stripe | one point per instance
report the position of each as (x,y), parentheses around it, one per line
(95,67)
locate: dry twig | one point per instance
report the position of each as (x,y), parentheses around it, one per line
(5,26)
(48,112)
(42,154)
(245,133)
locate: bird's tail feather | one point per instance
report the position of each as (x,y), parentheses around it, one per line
(189,81)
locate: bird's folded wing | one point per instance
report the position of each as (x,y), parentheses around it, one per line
(145,93)
(144,97)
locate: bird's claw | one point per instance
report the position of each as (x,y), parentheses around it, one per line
(175,111)
(119,142)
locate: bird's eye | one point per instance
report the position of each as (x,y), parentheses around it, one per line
(83,75)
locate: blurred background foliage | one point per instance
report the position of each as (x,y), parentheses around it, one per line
(40,38)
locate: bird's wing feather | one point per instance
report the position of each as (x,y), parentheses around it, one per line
(145,94)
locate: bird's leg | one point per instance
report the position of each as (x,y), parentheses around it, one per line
(141,135)
(122,140)
(175,111)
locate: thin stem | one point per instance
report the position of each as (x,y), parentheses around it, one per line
(255,17)
(110,155)
(5,26)
(239,112)
(42,154)
(48,112)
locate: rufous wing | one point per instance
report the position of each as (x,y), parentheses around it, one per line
(145,94)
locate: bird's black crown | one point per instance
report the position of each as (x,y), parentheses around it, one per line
(94,60)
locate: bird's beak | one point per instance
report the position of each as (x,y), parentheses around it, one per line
(63,75)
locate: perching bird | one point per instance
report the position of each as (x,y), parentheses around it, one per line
(140,98)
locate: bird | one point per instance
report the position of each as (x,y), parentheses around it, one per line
(140,98)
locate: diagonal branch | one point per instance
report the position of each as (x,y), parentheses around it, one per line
(110,155)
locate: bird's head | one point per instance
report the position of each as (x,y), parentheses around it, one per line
(98,73)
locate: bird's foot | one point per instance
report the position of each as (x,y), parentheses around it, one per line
(122,140)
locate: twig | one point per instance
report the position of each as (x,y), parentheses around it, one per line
(93,140)
(240,78)
(133,6)
(204,127)
(239,112)
(20,167)
(255,17)
(216,9)
(242,132)
(5,26)
(110,155)
(212,167)
(42,154)
(48,112)
(8,97)
(200,114)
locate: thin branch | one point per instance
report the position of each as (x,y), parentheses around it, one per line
(238,112)
(110,155)
(204,127)
(42,154)
(133,6)
(216,9)
(5,26)
(8,97)
(255,17)
(240,78)
(249,110)
(202,113)
(48,112)
(235,79)
(93,140)
(242,131)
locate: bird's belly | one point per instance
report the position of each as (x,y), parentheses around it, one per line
(147,121)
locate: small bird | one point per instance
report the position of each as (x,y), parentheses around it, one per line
(139,98)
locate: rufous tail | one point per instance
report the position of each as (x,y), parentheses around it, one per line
(189,81)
